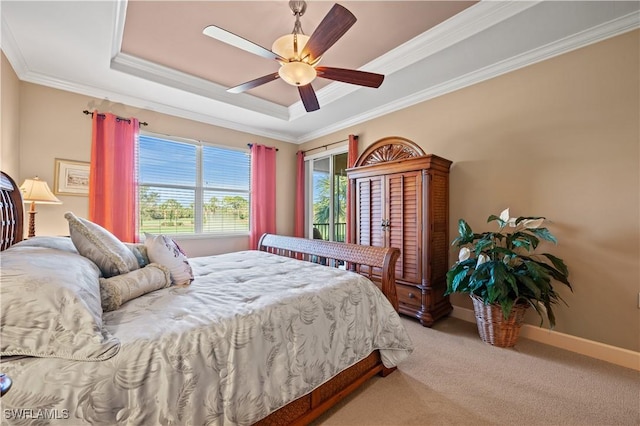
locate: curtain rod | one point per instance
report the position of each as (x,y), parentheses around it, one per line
(325,146)
(269,147)
(128,120)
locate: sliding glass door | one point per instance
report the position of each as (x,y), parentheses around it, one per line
(326,212)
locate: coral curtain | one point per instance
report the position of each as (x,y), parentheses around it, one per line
(352,157)
(299,213)
(263,193)
(112,179)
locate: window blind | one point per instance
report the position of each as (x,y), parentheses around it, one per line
(188,187)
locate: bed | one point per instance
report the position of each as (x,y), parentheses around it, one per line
(274,336)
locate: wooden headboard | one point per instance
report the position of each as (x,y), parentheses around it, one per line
(11,212)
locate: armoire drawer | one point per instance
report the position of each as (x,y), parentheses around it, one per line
(409,295)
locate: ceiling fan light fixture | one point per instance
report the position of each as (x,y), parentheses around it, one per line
(297,73)
(284,46)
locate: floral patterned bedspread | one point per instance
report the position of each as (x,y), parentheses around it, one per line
(253,332)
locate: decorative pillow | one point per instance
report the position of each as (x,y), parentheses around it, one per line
(50,302)
(115,291)
(101,246)
(140,252)
(163,250)
(59,243)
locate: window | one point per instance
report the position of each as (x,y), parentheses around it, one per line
(188,187)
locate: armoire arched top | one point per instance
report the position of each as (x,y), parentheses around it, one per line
(389,149)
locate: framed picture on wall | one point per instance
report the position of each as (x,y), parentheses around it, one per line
(71,177)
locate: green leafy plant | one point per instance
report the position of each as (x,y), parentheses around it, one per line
(502,268)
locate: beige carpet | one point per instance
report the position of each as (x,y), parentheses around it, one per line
(453,378)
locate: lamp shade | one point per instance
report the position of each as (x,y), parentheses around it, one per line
(37,191)
(284,46)
(297,73)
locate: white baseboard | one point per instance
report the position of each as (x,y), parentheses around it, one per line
(601,351)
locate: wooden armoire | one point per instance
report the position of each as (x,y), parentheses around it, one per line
(400,198)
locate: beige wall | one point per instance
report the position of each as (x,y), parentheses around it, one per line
(558,139)
(9,119)
(52,125)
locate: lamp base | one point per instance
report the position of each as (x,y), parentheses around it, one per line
(32,221)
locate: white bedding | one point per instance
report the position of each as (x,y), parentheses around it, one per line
(253,332)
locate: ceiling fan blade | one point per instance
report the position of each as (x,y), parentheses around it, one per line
(308,96)
(254,83)
(239,42)
(361,78)
(332,27)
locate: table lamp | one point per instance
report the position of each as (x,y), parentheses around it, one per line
(36,191)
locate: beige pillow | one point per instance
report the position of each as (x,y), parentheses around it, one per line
(115,291)
(163,250)
(50,304)
(101,246)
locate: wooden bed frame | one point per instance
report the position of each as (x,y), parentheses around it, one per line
(365,260)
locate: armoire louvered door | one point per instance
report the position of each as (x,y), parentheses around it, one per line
(402,213)
(403,203)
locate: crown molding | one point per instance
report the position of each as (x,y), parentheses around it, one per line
(11,49)
(136,102)
(584,38)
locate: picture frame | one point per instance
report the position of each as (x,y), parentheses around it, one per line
(71,177)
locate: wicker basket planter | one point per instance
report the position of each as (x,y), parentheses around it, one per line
(493,327)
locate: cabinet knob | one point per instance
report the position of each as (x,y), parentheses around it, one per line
(412,296)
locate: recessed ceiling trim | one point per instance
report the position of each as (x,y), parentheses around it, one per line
(584,38)
(465,24)
(118,27)
(179,80)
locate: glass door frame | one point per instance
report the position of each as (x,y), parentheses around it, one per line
(308,197)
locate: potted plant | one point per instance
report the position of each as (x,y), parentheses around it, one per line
(504,276)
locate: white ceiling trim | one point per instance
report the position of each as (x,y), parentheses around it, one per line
(11,49)
(177,79)
(118,29)
(598,33)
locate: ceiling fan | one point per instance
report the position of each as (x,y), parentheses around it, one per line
(299,54)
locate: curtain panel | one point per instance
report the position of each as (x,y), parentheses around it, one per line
(299,212)
(352,157)
(263,193)
(112,178)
